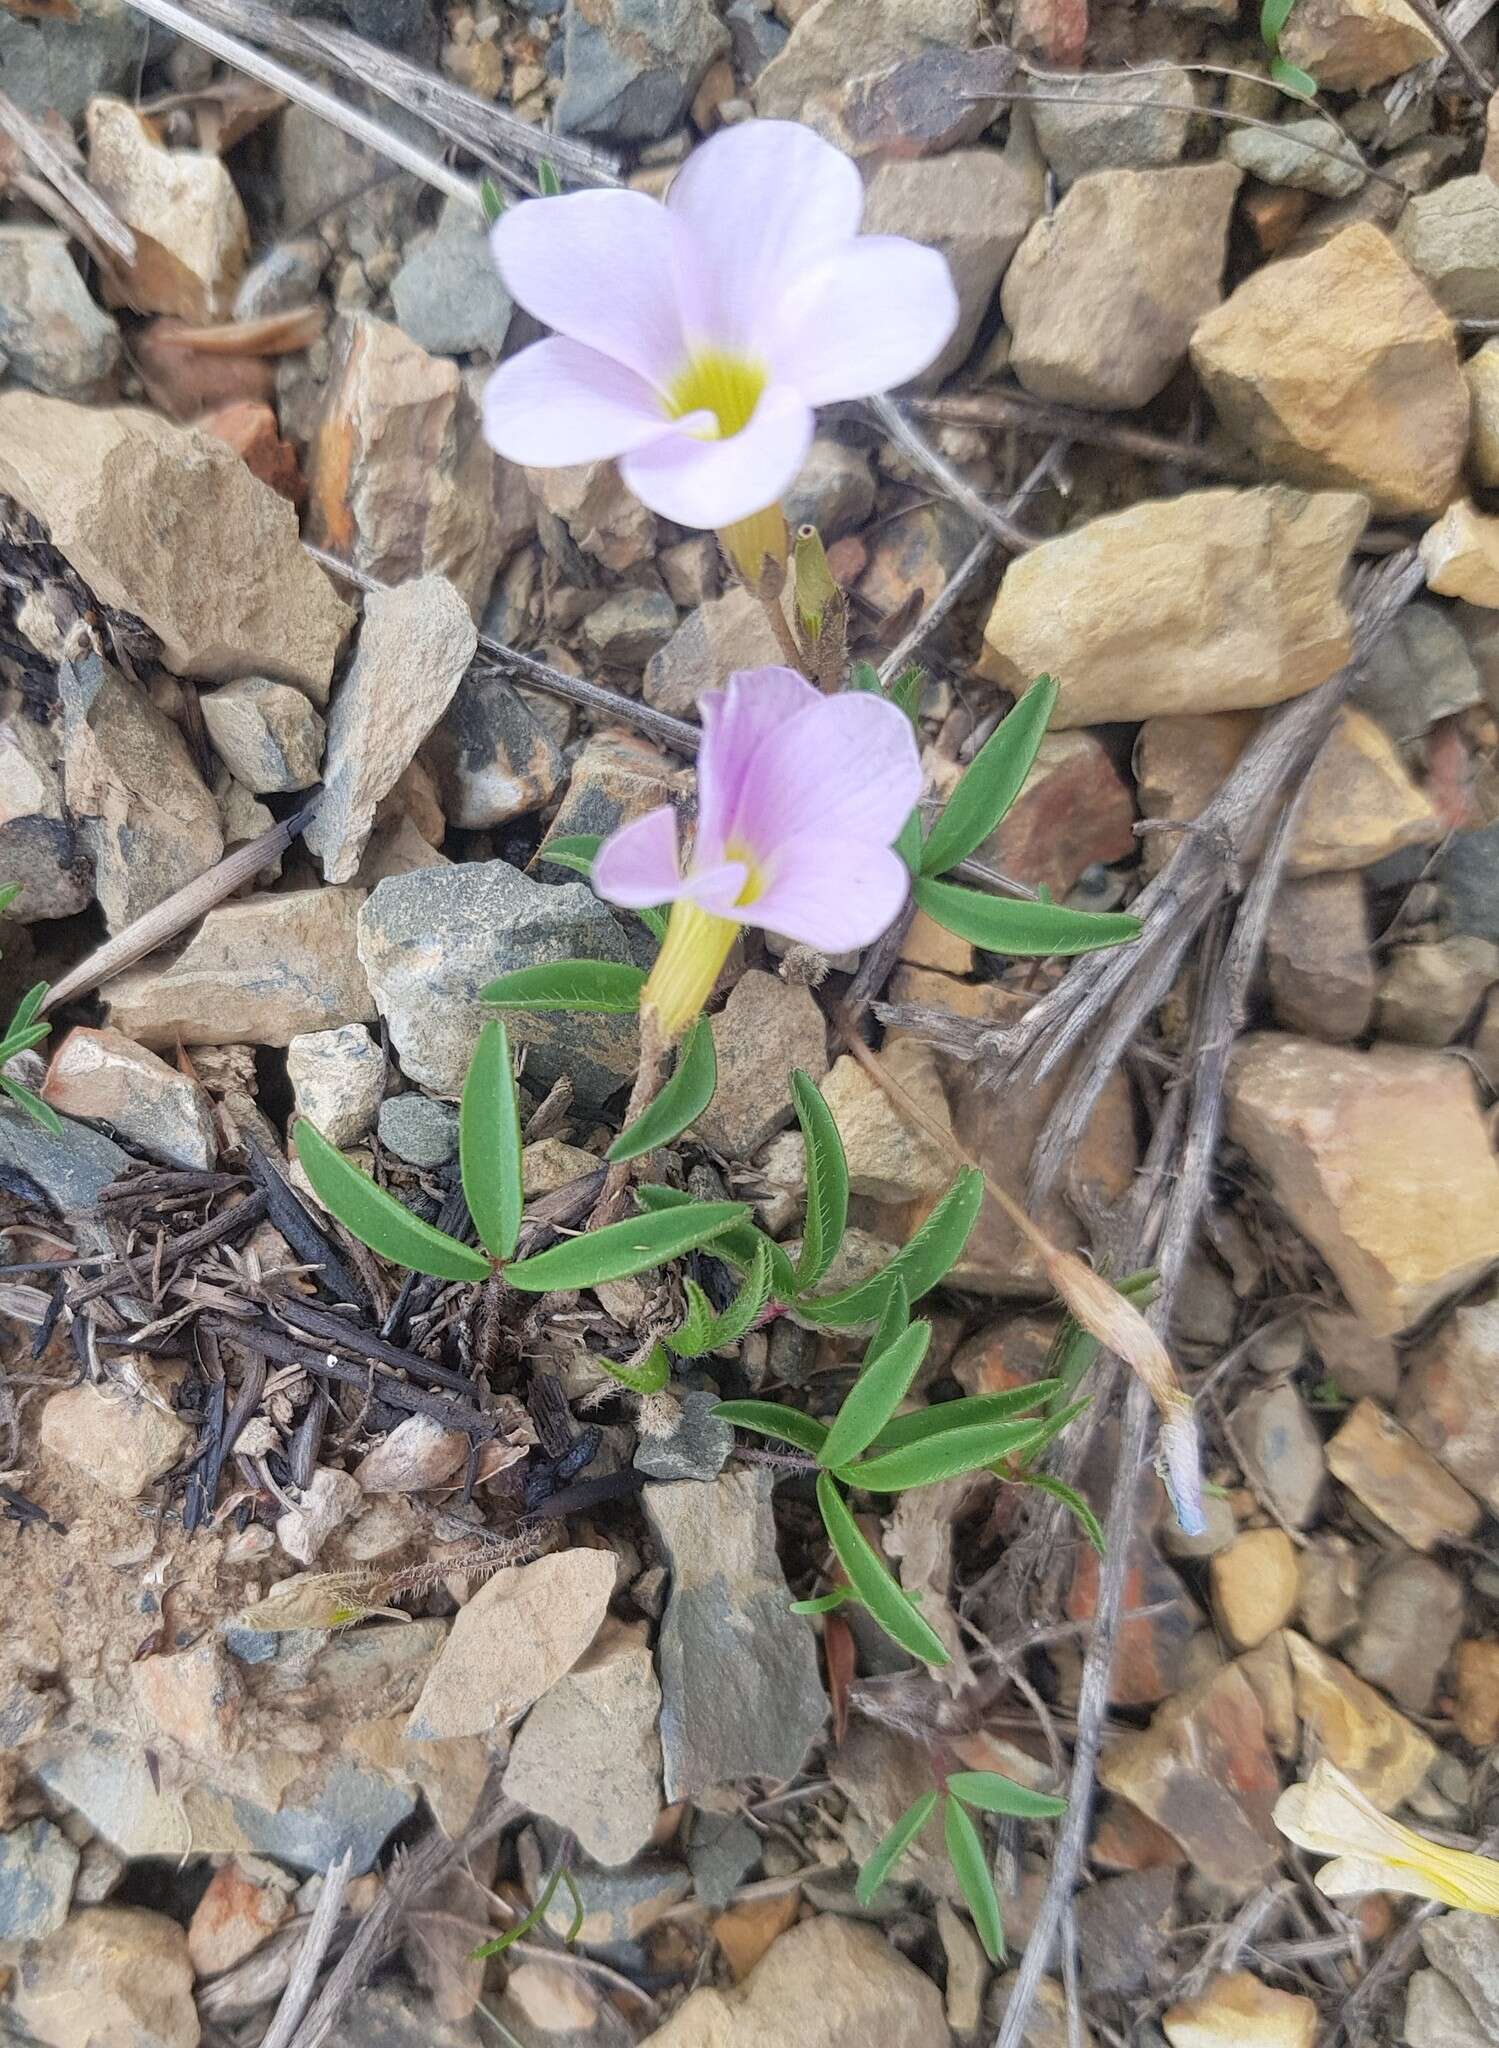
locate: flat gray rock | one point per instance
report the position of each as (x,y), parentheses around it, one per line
(69,1172)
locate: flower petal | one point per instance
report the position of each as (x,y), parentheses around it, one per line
(559,402)
(601,268)
(713,483)
(639,865)
(867,319)
(757,702)
(830,892)
(762,204)
(846,765)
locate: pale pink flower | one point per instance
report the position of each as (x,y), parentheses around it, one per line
(694,338)
(800,797)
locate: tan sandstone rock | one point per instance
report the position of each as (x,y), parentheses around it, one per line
(191,234)
(1461,554)
(1356,43)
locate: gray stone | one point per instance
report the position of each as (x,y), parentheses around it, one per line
(431,940)
(267,734)
(1090,131)
(697,1447)
(68,1173)
(58,64)
(493,758)
(285,277)
(628,628)
(615,777)
(56,338)
(39,846)
(630,67)
(1438,2016)
(740,1694)
(832,38)
(37,1867)
(765,1029)
(102,1077)
(726,633)
(337,1078)
(1318,957)
(415,643)
(1469,876)
(1465,1948)
(1428,994)
(834,488)
(396,2016)
(1412,1616)
(422,1132)
(448,296)
(1280,156)
(757,35)
(722,1852)
(1450,237)
(1419,671)
(1281,1440)
(1122,1925)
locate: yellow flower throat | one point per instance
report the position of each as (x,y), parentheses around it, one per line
(716,381)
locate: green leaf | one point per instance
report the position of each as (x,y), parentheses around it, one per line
(647,1378)
(972,1410)
(29,1007)
(827,1181)
(501,1942)
(690,1339)
(889,1850)
(908,844)
(548,184)
(871,1580)
(1071,1498)
(620,1249)
(739,1246)
(40,1112)
(8,896)
(378,1219)
(894,1318)
(492,200)
(769,1418)
(1274,14)
(875,1395)
(992,781)
(992,1793)
(1004,924)
(825,1603)
(1050,1427)
(680,1103)
(704,1330)
(489,1142)
(576,851)
(946,1455)
(23,1040)
(1293,78)
(594,987)
(905,689)
(965,1851)
(918,1265)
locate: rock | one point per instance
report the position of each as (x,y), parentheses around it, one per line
(588,1756)
(146,819)
(1151,1663)
(1254,1586)
(631,67)
(888,1159)
(285,278)
(697,1446)
(39,845)
(104,1077)
(259,972)
(191,234)
(525,1628)
(37,1867)
(1047,2025)
(1413,1614)
(192,1698)
(721,1853)
(492,757)
(587,506)
(614,778)
(1074,810)
(975,206)
(1461,552)
(1385,1755)
(56,63)
(727,633)
(806,81)
(967,1972)
(1318,957)
(337,1079)
(1105,293)
(1203,1771)
(1482,373)
(1220,1532)
(740,1694)
(66,1173)
(1465,1948)
(1122,1925)
(1361,804)
(251,430)
(1477,1709)
(1327,1598)
(1466,872)
(920,105)
(1380,1159)
(253,602)
(121,1442)
(834,488)
(1214,601)
(402,482)
(913,554)
(1339,368)
(1450,1399)
(820,1985)
(112,1977)
(1356,43)
(57,340)
(620,1907)
(548,1164)
(422,1132)
(246,1901)
(1450,237)
(1238,2011)
(267,734)
(1357,1359)
(186,382)
(432,939)
(1429,993)
(765,1029)
(628,628)
(328,1500)
(1438,2016)
(1281,1442)
(393,2016)
(1285,156)
(1135,123)
(1419,671)
(448,296)
(1180,763)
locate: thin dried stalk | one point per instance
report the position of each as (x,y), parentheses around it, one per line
(1017,410)
(43,154)
(297,1996)
(985,516)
